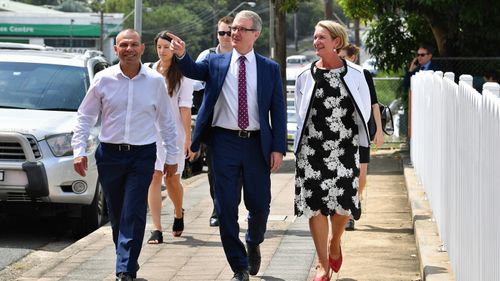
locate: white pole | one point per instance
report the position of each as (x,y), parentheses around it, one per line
(138,16)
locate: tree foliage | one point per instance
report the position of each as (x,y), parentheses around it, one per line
(454,27)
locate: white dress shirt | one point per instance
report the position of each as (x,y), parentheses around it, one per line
(129,109)
(226,107)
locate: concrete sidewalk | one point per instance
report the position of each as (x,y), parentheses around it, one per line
(382,247)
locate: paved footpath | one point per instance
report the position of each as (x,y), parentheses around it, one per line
(381,248)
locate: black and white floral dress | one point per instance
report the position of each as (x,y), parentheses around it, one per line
(327,165)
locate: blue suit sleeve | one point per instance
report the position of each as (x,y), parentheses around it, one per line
(194,70)
(278,113)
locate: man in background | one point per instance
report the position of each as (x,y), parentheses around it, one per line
(224,46)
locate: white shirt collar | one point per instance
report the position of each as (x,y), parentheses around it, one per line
(250,56)
(118,71)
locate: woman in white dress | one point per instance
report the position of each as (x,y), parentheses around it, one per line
(180,91)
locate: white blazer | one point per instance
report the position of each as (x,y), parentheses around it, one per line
(355,83)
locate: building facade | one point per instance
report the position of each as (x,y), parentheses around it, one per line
(69,32)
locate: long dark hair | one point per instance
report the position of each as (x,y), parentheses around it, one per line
(174,74)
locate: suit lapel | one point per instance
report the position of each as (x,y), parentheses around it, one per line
(223,68)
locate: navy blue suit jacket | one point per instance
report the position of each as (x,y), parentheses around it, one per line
(272,113)
(409,74)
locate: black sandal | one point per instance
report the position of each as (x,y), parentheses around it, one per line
(156,237)
(178,226)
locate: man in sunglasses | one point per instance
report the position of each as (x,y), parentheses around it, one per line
(423,61)
(224,46)
(243,121)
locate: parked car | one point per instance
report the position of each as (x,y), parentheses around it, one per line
(40,92)
(296,61)
(21,46)
(291,127)
(370,65)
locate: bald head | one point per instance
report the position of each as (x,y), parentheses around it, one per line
(129,49)
(127,33)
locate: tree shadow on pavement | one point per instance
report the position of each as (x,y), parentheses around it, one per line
(290,232)
(287,167)
(386,230)
(193,242)
(270,278)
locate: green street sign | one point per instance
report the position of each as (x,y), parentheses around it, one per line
(57,30)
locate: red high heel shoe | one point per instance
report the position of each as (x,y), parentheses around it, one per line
(321,278)
(335,264)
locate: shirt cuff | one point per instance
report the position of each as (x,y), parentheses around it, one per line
(79,151)
(181,57)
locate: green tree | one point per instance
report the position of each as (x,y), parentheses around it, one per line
(72,6)
(177,19)
(455,27)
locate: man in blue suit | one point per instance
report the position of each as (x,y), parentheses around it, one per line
(243,120)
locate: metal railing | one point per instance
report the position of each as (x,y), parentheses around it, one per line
(455,149)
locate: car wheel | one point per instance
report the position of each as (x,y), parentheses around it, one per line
(93,215)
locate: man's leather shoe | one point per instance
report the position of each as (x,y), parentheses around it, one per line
(214,221)
(253,259)
(241,276)
(124,276)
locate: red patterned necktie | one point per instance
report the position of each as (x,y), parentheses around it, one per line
(242,95)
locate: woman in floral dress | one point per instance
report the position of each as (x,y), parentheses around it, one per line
(333,105)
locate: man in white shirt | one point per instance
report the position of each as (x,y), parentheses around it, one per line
(132,101)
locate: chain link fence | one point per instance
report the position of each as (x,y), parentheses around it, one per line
(389,91)
(475,66)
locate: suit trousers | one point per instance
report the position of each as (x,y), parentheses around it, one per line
(235,159)
(125,177)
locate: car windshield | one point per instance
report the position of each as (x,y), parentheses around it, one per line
(42,86)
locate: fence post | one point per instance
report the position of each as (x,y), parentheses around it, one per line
(450,76)
(493,87)
(467,79)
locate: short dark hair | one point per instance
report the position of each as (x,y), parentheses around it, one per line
(227,20)
(491,74)
(428,47)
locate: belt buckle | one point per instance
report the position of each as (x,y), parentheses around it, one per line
(124,147)
(243,134)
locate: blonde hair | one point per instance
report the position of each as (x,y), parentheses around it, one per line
(335,30)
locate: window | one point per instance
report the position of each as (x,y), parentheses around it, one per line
(42,86)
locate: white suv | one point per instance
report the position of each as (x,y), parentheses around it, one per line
(40,92)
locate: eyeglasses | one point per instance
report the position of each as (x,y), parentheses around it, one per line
(221,33)
(241,29)
(422,55)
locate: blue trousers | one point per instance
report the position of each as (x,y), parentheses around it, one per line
(233,159)
(125,177)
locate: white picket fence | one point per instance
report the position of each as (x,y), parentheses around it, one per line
(455,150)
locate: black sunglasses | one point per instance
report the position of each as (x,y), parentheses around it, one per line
(221,33)
(421,55)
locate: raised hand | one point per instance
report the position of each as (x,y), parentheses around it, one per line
(177,45)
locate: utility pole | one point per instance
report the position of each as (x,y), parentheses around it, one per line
(214,23)
(271,29)
(138,16)
(295,32)
(101,37)
(328,10)
(71,36)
